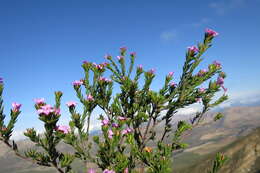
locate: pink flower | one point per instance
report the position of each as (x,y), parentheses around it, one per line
(104,122)
(199,99)
(71,104)
(105,79)
(211,32)
(110,133)
(140,67)
(123,49)
(193,49)
(108,171)
(170,74)
(63,129)
(172,84)
(115,125)
(202,72)
(104,64)
(39,101)
(217,64)
(56,111)
(126,131)
(152,71)
(16,107)
(126,170)
(120,57)
(86,62)
(129,130)
(98,66)
(133,54)
(91,170)
(121,118)
(46,110)
(77,83)
(101,78)
(220,81)
(202,90)
(90,97)
(46,107)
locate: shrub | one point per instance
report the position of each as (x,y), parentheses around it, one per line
(129,138)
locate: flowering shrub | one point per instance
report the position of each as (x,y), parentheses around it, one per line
(129,138)
(6,130)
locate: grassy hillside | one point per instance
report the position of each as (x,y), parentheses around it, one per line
(229,135)
(244,156)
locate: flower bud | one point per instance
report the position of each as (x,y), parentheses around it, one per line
(71,104)
(210,33)
(16,107)
(63,129)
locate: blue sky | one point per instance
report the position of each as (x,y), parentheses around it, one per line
(43,43)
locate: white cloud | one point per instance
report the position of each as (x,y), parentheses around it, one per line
(189,110)
(223,6)
(168,35)
(201,22)
(242,97)
(18,134)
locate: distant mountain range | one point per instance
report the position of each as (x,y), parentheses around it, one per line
(237,135)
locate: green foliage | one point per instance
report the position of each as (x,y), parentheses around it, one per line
(7,130)
(218,162)
(129,118)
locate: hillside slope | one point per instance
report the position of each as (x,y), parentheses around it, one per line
(228,135)
(243,154)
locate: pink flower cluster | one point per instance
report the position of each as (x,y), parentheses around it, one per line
(77,83)
(122,118)
(199,99)
(140,67)
(127,131)
(105,122)
(63,129)
(202,90)
(170,74)
(104,79)
(90,98)
(217,64)
(99,66)
(115,125)
(91,170)
(108,171)
(123,49)
(39,101)
(47,110)
(16,107)
(133,54)
(202,72)
(193,50)
(152,71)
(211,32)
(172,84)
(110,134)
(71,104)
(220,81)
